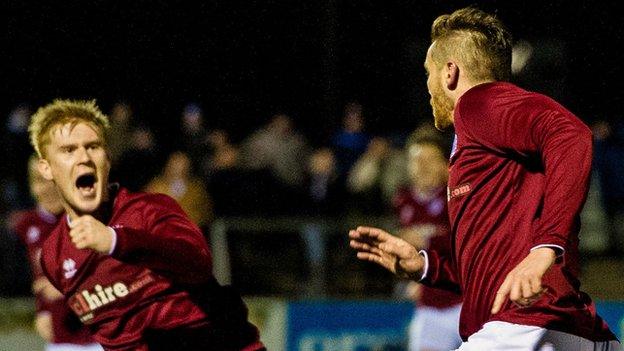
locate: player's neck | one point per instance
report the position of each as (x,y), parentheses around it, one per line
(466,84)
(102,213)
(53,209)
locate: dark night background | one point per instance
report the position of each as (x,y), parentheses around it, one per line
(243,61)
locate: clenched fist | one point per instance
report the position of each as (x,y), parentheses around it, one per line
(88,233)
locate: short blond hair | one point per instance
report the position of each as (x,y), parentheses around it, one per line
(61,112)
(476,38)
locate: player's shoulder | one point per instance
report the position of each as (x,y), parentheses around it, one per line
(490,101)
(53,240)
(142,200)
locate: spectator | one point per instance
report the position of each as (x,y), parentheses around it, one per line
(140,155)
(325,193)
(120,131)
(14,143)
(376,175)
(222,154)
(609,164)
(177,181)
(350,142)
(278,148)
(193,135)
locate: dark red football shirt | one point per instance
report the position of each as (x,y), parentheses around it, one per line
(429,216)
(33,227)
(156,290)
(519,176)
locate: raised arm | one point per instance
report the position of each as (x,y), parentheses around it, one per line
(169,242)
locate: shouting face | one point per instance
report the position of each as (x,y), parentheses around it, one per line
(77,162)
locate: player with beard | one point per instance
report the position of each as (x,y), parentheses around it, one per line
(54,321)
(519,175)
(132,267)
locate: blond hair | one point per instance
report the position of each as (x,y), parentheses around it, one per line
(477,39)
(61,112)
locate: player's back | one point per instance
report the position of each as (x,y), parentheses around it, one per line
(500,179)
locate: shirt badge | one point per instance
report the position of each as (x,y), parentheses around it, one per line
(33,234)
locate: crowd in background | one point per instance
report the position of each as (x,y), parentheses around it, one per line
(274,171)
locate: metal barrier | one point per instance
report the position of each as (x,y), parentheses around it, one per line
(313,231)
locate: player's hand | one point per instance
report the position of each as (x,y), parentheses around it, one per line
(89,233)
(43,287)
(388,251)
(523,285)
(43,326)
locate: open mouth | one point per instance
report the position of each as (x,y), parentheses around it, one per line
(86,184)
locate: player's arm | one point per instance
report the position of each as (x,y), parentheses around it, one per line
(403,259)
(168,243)
(565,147)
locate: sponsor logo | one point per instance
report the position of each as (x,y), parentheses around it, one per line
(69,266)
(459,190)
(85,302)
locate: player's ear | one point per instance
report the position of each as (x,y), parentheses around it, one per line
(452,75)
(44,169)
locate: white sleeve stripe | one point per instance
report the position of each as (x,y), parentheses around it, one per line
(558,249)
(114,242)
(426,269)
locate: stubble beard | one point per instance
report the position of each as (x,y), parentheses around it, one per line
(443,108)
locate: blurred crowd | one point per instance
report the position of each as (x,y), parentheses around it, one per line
(274,171)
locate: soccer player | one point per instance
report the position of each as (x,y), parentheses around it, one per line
(132,267)
(422,212)
(54,321)
(519,174)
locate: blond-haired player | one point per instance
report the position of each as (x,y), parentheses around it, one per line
(132,266)
(518,178)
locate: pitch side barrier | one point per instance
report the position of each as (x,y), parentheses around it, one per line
(315,233)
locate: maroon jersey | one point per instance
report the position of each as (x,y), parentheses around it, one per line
(519,176)
(156,290)
(33,227)
(429,216)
